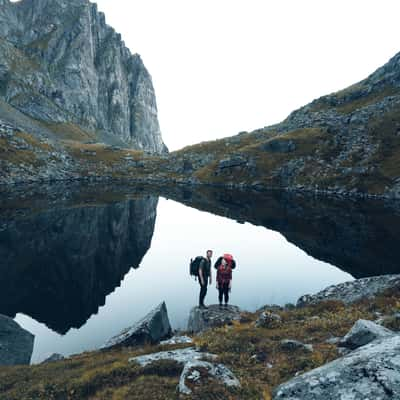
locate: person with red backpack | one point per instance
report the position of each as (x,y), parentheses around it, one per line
(224,266)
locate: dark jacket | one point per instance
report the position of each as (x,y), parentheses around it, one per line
(205,266)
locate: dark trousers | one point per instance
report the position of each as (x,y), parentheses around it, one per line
(203,292)
(223,291)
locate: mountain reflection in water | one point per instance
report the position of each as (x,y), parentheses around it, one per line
(63,249)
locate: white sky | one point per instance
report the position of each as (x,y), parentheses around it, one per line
(223,66)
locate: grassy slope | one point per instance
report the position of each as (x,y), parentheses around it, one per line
(245,349)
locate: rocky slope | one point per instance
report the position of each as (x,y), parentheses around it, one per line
(60,82)
(326,350)
(346,142)
(64,68)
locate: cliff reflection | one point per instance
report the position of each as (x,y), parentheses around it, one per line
(59,260)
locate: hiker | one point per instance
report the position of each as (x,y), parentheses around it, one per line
(224,278)
(204,277)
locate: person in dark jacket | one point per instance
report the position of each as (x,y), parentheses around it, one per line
(224,280)
(204,277)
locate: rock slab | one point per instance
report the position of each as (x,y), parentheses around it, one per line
(362,333)
(181,356)
(214,316)
(16,343)
(370,372)
(198,368)
(195,372)
(154,327)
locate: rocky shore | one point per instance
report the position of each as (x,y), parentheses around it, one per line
(342,342)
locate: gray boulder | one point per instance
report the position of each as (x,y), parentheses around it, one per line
(152,328)
(192,360)
(197,373)
(370,372)
(16,343)
(213,316)
(362,333)
(352,291)
(181,356)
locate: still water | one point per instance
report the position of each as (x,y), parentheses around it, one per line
(80,271)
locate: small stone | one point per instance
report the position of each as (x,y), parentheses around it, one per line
(268,319)
(290,345)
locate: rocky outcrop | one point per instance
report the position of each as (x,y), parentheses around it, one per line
(214,316)
(198,368)
(76,69)
(352,291)
(346,143)
(362,333)
(16,344)
(86,245)
(372,371)
(198,373)
(152,328)
(182,356)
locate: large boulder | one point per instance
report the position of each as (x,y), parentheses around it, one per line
(352,291)
(198,373)
(370,372)
(201,319)
(197,368)
(16,343)
(362,333)
(152,328)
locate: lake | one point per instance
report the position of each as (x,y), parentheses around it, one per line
(81,262)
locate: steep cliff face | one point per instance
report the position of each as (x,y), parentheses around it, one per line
(60,63)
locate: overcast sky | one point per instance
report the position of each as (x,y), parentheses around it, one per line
(223,66)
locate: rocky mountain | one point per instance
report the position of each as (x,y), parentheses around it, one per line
(72,77)
(347,142)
